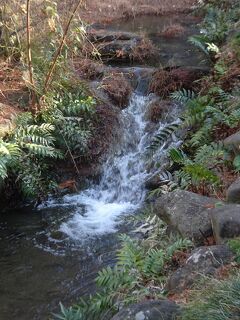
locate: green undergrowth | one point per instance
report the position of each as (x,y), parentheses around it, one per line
(58,120)
(61,130)
(204,160)
(140,272)
(219,300)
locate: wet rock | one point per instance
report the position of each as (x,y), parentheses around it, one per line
(166,81)
(158,109)
(186,212)
(233,192)
(203,261)
(150,310)
(139,77)
(153,182)
(103,35)
(226,222)
(117,88)
(233,142)
(121,46)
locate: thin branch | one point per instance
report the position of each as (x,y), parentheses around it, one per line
(59,50)
(29,53)
(71,155)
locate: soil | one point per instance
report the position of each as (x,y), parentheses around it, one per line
(106,11)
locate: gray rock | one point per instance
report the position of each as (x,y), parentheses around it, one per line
(203,261)
(226,222)
(233,192)
(104,35)
(233,142)
(187,213)
(150,310)
(153,182)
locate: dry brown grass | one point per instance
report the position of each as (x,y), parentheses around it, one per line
(157,109)
(88,69)
(144,50)
(118,88)
(173,31)
(164,82)
(108,10)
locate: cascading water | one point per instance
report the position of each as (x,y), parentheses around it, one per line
(97,210)
(121,189)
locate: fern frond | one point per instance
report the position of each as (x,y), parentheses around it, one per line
(130,255)
(183,96)
(201,136)
(154,262)
(210,155)
(199,42)
(177,156)
(179,244)
(199,173)
(163,136)
(184,178)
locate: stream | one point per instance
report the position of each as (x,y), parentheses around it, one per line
(52,253)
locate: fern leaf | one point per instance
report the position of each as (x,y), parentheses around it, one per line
(163,135)
(183,96)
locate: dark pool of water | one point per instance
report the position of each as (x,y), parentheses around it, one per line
(172,51)
(39,267)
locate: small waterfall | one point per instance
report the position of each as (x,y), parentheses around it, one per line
(98,210)
(121,189)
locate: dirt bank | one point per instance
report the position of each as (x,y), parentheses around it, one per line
(99,11)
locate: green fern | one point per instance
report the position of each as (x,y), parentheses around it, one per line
(200,42)
(163,136)
(210,155)
(154,263)
(183,96)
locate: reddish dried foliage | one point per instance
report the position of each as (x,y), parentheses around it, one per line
(88,69)
(164,82)
(118,88)
(144,50)
(157,109)
(172,31)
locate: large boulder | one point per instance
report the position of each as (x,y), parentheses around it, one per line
(226,222)
(187,213)
(233,192)
(150,310)
(203,261)
(233,142)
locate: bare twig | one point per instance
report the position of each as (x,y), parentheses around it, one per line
(29,53)
(59,50)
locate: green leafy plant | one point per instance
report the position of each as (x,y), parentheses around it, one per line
(140,263)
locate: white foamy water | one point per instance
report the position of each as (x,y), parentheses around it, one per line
(98,210)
